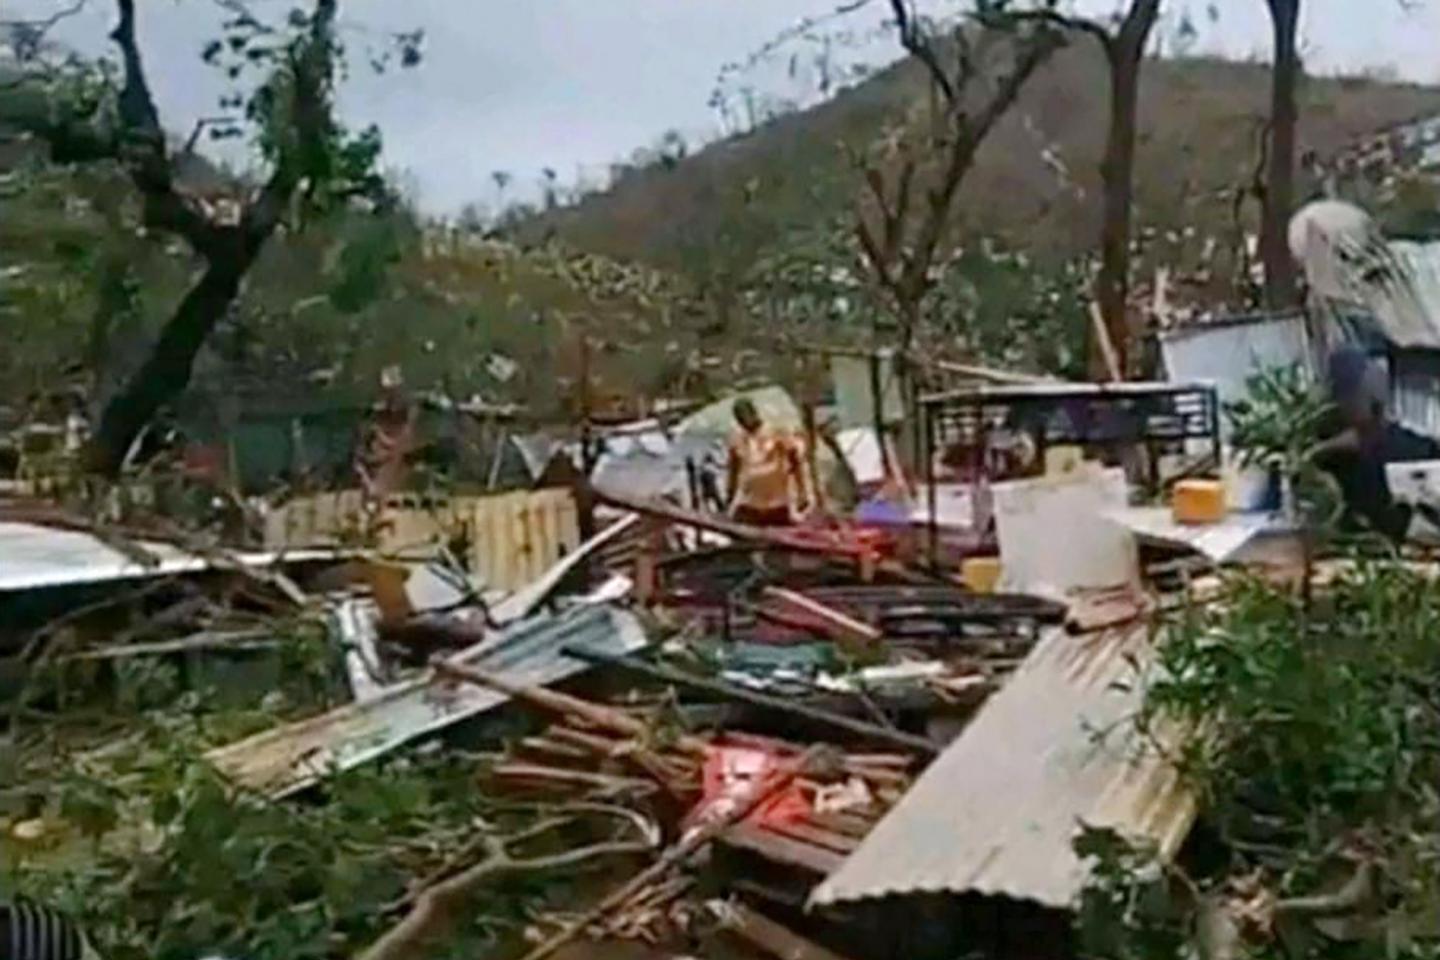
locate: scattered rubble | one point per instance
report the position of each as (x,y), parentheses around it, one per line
(802,734)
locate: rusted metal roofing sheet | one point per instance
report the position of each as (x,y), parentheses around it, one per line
(288,758)
(996,813)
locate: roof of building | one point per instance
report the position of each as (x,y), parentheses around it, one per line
(997,812)
(33,556)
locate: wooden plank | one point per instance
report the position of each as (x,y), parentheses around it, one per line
(836,625)
(815,835)
(493,544)
(834,544)
(774,938)
(850,824)
(678,852)
(557,544)
(569,519)
(526,544)
(780,849)
(565,777)
(1107,345)
(732,691)
(555,748)
(538,524)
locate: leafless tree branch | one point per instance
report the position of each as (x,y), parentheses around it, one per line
(899,238)
(310,122)
(201,125)
(144,155)
(963,142)
(242,17)
(27,38)
(45,24)
(1062,21)
(919,46)
(436,905)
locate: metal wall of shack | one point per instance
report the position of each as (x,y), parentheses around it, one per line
(996,814)
(285,759)
(510,539)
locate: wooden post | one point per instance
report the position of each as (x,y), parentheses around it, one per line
(1107,346)
(584,500)
(647,561)
(877,412)
(836,625)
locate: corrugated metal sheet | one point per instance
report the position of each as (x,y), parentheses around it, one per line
(1349,266)
(294,756)
(34,556)
(1404,293)
(650,462)
(1227,354)
(997,812)
(1415,390)
(513,538)
(658,469)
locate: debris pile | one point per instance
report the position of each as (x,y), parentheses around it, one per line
(801,734)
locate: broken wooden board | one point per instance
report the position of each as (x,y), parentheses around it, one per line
(832,623)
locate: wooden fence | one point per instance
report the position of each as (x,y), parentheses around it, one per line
(505,540)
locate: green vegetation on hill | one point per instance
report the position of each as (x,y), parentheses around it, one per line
(85,289)
(692,269)
(721,210)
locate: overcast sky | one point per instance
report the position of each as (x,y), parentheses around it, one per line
(520,85)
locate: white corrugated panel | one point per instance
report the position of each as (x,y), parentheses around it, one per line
(1229,353)
(997,812)
(34,556)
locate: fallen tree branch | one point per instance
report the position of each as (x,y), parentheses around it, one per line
(677,853)
(606,718)
(1353,896)
(435,906)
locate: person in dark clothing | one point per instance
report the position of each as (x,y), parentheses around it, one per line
(1359,440)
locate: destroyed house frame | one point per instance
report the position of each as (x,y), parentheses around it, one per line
(1158,416)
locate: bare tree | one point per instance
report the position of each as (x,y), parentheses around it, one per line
(901,225)
(308,159)
(1279,198)
(1124,46)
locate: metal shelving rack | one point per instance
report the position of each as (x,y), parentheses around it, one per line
(1158,416)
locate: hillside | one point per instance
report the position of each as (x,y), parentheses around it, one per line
(1035,186)
(690,272)
(83,292)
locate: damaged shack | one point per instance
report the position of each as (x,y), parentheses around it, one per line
(812,545)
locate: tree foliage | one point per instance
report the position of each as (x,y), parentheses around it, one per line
(159,858)
(1316,759)
(311,164)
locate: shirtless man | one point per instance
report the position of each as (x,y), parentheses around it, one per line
(766,477)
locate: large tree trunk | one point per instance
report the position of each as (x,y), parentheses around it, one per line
(228,250)
(166,372)
(1280,178)
(1125,53)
